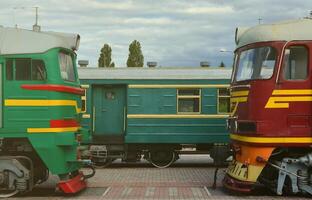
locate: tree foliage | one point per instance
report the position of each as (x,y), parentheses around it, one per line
(105,59)
(135,58)
(222,64)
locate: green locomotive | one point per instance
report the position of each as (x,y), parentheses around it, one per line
(155,112)
(39,111)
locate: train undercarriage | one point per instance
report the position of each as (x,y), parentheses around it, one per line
(160,156)
(21,169)
(286,171)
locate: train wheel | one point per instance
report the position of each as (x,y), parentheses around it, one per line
(8,193)
(162,159)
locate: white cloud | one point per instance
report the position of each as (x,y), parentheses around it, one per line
(209,10)
(173,33)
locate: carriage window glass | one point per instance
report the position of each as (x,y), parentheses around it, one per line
(257,63)
(188,100)
(9,69)
(84,98)
(66,67)
(23,69)
(224,100)
(296,63)
(38,71)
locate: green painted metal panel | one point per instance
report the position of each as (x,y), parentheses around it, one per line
(17,119)
(109,110)
(163,101)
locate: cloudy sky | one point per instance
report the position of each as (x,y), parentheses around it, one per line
(171,32)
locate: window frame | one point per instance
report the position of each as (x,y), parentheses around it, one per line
(282,75)
(223,96)
(63,51)
(14,59)
(189,97)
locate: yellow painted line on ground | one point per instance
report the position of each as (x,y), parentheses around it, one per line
(271,139)
(52,130)
(174,116)
(41,102)
(181,86)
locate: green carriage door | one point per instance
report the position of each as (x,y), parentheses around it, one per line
(110,113)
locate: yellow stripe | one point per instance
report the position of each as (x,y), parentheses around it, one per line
(271,139)
(174,116)
(238,100)
(240,93)
(283,102)
(52,130)
(292,92)
(41,102)
(181,86)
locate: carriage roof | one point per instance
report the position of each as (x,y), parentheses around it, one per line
(154,73)
(300,29)
(20,41)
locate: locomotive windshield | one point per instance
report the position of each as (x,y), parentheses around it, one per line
(256,63)
(67,67)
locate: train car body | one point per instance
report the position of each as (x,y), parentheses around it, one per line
(39,110)
(270,126)
(153,111)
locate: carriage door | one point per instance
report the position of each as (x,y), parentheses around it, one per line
(296,88)
(109,112)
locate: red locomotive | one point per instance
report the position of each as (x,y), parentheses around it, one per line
(271,99)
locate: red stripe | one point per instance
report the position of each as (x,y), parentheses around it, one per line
(55,88)
(63,123)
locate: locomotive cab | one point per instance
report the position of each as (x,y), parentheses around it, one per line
(271,118)
(39,111)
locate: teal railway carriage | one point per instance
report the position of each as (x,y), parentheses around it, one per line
(155,112)
(39,110)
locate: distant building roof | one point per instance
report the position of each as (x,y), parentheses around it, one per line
(154,73)
(300,29)
(20,41)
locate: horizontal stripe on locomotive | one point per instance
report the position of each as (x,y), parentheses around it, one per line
(159,86)
(272,140)
(283,102)
(54,88)
(238,99)
(41,102)
(241,93)
(52,130)
(175,116)
(292,92)
(282,98)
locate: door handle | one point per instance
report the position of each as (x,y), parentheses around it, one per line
(104,110)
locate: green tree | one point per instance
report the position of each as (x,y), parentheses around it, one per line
(105,59)
(135,58)
(222,64)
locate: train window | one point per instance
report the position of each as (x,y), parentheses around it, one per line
(25,69)
(257,63)
(188,100)
(224,100)
(9,69)
(66,67)
(296,63)
(38,71)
